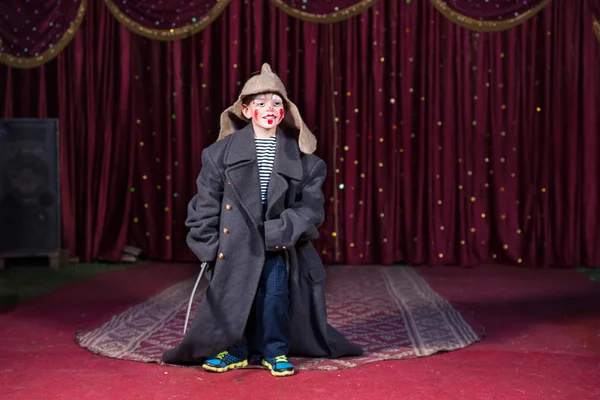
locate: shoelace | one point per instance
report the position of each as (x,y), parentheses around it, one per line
(282,359)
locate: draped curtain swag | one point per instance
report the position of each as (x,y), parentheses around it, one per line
(162,20)
(34,33)
(489,16)
(323,11)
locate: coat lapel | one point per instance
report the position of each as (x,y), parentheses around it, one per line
(287,164)
(242,172)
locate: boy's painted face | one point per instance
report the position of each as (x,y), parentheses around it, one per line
(266,110)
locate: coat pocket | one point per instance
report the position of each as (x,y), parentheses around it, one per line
(312,263)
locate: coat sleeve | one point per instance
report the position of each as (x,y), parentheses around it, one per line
(302,220)
(204,211)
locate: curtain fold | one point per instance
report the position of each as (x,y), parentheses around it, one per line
(33,33)
(594,6)
(443,145)
(491,15)
(464,147)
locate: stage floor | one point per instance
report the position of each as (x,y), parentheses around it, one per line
(542,341)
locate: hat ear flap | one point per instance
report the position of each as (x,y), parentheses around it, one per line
(232,119)
(306,140)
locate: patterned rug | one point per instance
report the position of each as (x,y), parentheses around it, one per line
(390,312)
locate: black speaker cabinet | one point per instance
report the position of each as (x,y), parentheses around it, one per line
(29,188)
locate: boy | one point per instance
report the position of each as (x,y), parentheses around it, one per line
(259,205)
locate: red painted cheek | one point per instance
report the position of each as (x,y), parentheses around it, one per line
(256,115)
(281,114)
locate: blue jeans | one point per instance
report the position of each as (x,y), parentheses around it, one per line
(268,327)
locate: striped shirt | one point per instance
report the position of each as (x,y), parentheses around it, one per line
(265,155)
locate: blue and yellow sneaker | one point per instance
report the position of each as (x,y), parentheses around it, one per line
(223,362)
(279,366)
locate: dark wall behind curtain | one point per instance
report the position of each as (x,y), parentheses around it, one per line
(443,145)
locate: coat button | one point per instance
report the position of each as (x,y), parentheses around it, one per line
(225,231)
(228,207)
(221,256)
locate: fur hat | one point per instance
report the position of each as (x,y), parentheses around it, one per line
(267,82)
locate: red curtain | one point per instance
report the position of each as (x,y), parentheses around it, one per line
(444,145)
(89,88)
(324,8)
(594,6)
(492,10)
(467,147)
(32,33)
(324,11)
(170,20)
(164,15)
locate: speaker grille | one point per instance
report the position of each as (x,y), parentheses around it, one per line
(29,186)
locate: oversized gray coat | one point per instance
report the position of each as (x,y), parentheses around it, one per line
(226,225)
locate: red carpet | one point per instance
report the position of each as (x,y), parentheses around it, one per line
(542,343)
